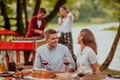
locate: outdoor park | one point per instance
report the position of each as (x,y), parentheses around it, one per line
(102,17)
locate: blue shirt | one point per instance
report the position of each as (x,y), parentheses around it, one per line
(54,57)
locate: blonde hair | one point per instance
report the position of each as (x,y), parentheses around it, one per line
(65,8)
(89,39)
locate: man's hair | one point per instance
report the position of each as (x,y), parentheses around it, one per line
(49,32)
(42,10)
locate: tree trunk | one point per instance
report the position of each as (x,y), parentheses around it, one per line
(37,5)
(26,15)
(20,26)
(112,51)
(55,10)
(5,16)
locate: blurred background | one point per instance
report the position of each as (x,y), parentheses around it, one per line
(15,14)
(101,16)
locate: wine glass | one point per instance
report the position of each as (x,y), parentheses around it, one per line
(19,67)
(66,62)
(81,68)
(2,67)
(45,64)
(2,64)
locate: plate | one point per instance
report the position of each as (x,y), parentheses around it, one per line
(3,74)
(74,75)
(30,77)
(15,76)
(116,76)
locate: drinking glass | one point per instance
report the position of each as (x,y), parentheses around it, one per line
(45,64)
(2,67)
(81,68)
(66,62)
(2,64)
(19,68)
(11,64)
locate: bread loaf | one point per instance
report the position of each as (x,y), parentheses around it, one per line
(43,74)
(64,76)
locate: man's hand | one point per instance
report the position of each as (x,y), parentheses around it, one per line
(40,32)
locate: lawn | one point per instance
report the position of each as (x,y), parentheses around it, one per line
(112,72)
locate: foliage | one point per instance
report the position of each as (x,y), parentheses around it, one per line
(113,5)
(112,28)
(112,8)
(83,9)
(108,71)
(90,9)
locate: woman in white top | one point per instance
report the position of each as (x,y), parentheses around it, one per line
(65,22)
(88,51)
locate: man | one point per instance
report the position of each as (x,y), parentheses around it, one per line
(35,29)
(36,25)
(53,54)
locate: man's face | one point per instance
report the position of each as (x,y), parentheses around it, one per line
(53,40)
(41,15)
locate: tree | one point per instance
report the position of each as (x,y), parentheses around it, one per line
(20,26)
(52,14)
(112,51)
(37,5)
(24,7)
(20,14)
(55,10)
(116,6)
(5,15)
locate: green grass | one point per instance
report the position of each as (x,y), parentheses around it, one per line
(52,25)
(112,28)
(80,24)
(112,72)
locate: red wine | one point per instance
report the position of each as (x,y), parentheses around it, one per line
(81,74)
(45,63)
(11,66)
(20,69)
(66,63)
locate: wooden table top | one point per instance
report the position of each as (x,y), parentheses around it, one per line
(91,77)
(86,77)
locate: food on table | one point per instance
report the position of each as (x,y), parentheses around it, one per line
(36,74)
(22,73)
(5,74)
(43,74)
(64,76)
(7,78)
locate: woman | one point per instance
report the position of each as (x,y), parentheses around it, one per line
(88,51)
(65,23)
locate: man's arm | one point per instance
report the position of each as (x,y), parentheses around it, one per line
(31,25)
(72,65)
(37,62)
(38,31)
